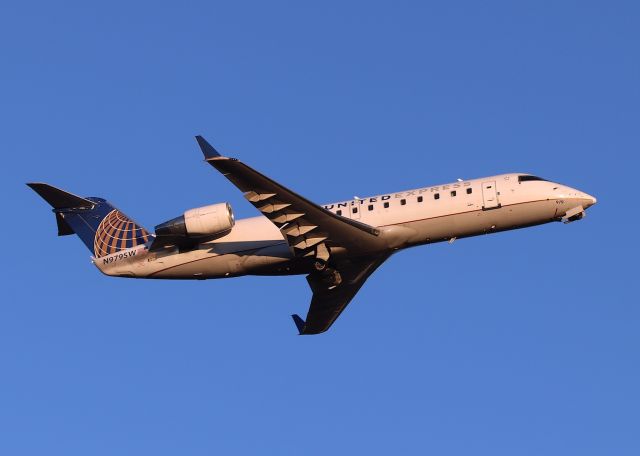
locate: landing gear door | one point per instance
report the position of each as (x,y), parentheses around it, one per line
(489,196)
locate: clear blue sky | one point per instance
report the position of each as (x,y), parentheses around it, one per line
(525,342)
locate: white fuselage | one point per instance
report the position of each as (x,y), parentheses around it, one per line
(405,219)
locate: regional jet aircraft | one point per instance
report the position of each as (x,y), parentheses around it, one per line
(338,246)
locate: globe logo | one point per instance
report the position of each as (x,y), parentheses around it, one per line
(117,232)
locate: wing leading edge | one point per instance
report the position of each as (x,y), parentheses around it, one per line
(310,229)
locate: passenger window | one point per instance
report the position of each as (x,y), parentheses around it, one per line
(370,207)
(436,196)
(419,199)
(469,190)
(386,205)
(339,212)
(403,202)
(453,193)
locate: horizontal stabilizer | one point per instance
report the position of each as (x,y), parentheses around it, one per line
(59,199)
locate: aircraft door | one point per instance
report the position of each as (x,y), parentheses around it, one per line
(489,195)
(355,207)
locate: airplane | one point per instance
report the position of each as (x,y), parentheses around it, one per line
(338,245)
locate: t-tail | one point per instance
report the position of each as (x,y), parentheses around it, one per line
(103,228)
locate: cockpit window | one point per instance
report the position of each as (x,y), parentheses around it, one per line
(530,178)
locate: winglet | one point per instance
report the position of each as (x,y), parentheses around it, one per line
(207,149)
(299,323)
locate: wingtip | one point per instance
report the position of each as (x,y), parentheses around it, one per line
(299,323)
(207,149)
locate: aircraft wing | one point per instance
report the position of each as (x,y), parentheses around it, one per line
(327,302)
(308,228)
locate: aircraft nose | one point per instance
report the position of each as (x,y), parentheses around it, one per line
(591,200)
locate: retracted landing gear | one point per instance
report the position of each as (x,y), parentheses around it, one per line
(324,273)
(331,277)
(327,279)
(327,275)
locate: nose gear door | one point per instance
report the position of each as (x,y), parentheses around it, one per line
(489,196)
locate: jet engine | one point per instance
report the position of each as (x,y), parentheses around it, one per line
(197,225)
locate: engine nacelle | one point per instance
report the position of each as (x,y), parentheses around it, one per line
(198,225)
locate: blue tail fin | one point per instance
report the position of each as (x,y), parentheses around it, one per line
(102,227)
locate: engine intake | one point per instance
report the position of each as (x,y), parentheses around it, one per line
(198,225)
